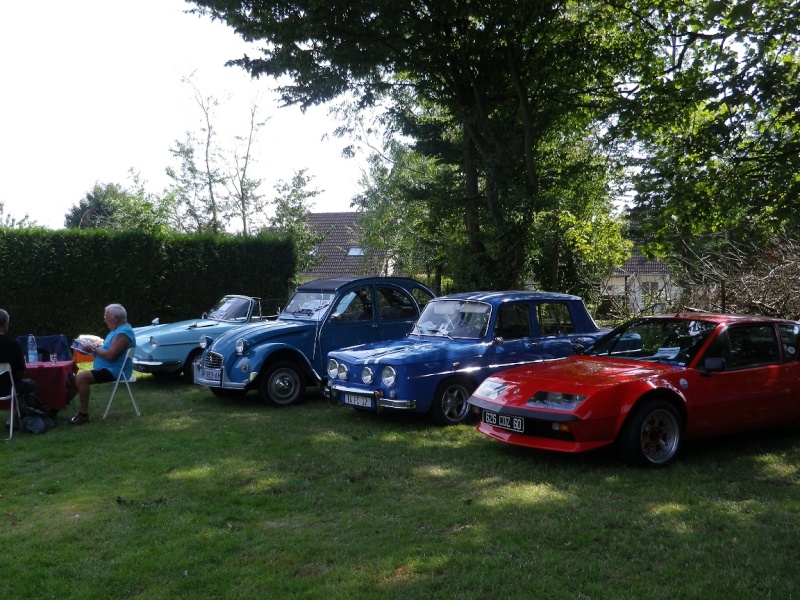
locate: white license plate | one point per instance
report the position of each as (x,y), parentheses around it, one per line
(213,374)
(511,423)
(352,400)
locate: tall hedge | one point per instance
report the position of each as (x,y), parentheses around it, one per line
(59,281)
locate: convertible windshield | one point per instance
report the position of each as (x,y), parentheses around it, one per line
(309,304)
(231,309)
(674,341)
(454,319)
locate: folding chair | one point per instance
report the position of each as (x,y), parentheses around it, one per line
(128,357)
(6,368)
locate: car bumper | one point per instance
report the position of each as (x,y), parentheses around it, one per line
(541,429)
(201,378)
(156,366)
(342,395)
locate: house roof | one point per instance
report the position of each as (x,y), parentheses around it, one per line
(638,264)
(340,248)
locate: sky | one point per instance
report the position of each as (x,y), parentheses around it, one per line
(90,89)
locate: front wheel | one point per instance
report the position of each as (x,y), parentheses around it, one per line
(450,406)
(652,434)
(283,384)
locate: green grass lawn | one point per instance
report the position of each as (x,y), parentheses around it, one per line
(209,498)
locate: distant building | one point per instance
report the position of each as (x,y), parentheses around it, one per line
(342,251)
(643,285)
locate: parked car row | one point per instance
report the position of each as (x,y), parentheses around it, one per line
(533,366)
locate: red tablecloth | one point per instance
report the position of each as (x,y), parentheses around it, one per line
(52,381)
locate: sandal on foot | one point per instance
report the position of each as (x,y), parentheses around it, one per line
(80,419)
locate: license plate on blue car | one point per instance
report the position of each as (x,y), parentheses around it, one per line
(363,401)
(213,374)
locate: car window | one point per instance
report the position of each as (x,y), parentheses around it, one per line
(422,297)
(554,319)
(395,304)
(744,346)
(231,309)
(513,322)
(355,305)
(789,339)
(454,319)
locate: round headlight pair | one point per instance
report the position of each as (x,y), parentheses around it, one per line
(337,370)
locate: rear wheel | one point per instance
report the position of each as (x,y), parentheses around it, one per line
(652,434)
(450,405)
(283,384)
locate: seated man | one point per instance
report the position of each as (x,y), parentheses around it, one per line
(11,353)
(108,360)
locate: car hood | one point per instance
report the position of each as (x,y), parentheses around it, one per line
(179,329)
(582,375)
(410,350)
(256,333)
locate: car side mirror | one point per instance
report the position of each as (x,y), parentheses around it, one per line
(498,341)
(713,365)
(155,321)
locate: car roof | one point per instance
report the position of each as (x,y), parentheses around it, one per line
(721,318)
(509,296)
(329,284)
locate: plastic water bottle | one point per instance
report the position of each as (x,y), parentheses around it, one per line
(33,350)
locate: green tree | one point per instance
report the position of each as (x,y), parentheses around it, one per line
(404,212)
(499,78)
(717,118)
(292,207)
(112,206)
(10,222)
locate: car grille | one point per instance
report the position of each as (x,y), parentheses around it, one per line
(213,360)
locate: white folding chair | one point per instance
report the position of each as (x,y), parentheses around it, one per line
(128,357)
(6,368)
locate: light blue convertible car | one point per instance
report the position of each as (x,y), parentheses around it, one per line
(170,348)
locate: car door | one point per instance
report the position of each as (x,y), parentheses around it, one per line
(555,328)
(397,312)
(514,326)
(753,389)
(351,321)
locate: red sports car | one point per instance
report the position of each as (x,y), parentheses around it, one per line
(650,384)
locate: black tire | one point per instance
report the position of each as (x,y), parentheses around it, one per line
(450,405)
(282,384)
(187,372)
(226,393)
(652,435)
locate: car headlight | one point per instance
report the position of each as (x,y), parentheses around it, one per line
(388,376)
(555,400)
(367,375)
(205,341)
(333,368)
(490,389)
(153,342)
(343,372)
(240,346)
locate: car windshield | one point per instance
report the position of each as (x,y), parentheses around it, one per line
(231,309)
(309,304)
(674,341)
(454,319)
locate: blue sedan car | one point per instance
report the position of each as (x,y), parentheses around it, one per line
(458,341)
(281,358)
